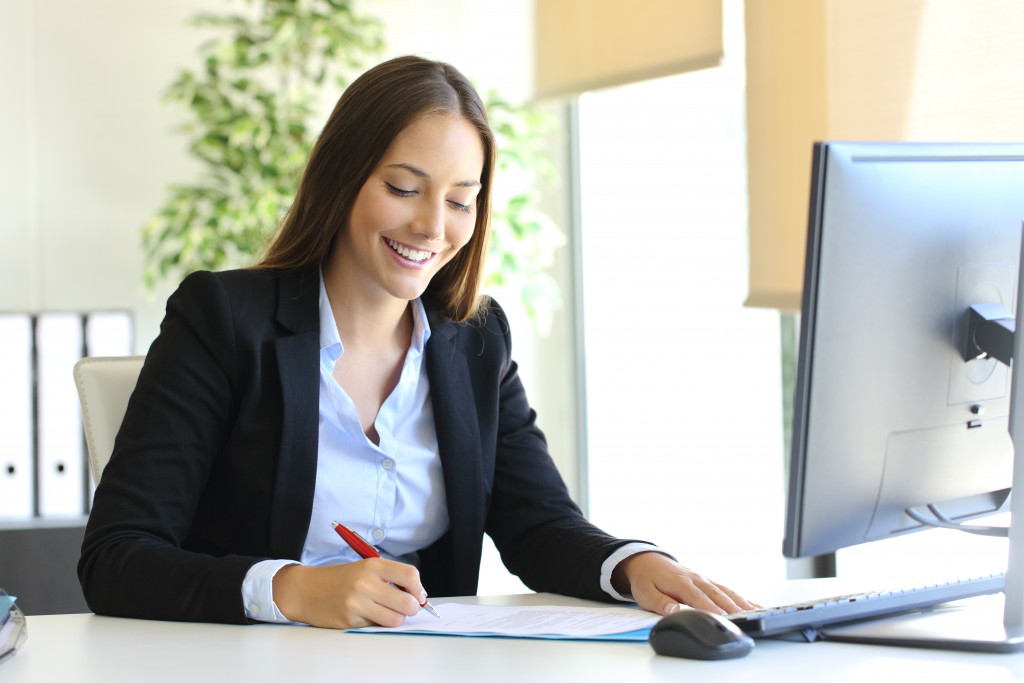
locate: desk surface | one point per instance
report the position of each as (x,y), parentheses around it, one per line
(90,648)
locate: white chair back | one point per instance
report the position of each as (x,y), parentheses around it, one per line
(104,385)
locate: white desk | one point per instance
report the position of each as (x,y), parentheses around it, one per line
(92,649)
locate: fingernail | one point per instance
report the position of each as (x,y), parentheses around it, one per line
(671,607)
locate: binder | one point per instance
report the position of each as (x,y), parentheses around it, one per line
(43,467)
(108,333)
(61,451)
(17,481)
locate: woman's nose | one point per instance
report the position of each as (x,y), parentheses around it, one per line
(430,220)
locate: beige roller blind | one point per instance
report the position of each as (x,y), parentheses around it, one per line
(589,44)
(931,70)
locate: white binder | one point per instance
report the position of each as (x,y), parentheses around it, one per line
(108,333)
(61,451)
(43,468)
(17,483)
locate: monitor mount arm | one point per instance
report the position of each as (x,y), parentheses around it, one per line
(990,330)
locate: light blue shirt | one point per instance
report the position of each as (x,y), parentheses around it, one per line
(393,493)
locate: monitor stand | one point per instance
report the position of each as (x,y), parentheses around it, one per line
(974,624)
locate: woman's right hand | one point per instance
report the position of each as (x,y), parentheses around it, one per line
(352,595)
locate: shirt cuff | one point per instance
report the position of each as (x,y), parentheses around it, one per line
(618,556)
(258,592)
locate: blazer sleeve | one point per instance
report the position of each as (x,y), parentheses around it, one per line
(135,561)
(540,532)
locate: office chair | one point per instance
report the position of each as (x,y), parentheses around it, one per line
(104,385)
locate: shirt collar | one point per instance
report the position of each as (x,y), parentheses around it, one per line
(330,340)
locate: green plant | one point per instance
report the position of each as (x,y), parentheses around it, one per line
(252,108)
(524,239)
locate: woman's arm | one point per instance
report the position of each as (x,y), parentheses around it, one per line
(544,538)
(134,561)
(540,532)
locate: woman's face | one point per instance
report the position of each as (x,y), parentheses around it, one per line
(415,211)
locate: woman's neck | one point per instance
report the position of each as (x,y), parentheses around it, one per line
(365,322)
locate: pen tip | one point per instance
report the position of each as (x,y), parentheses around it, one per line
(430,608)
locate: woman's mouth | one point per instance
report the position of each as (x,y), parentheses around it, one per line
(409,254)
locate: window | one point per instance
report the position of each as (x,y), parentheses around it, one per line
(684,425)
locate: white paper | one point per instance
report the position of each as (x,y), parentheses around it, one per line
(529,622)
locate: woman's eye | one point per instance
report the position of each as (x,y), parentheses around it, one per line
(399,192)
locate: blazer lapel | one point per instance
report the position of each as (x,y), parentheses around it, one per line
(298,362)
(458,440)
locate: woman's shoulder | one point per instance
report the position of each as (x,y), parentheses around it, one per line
(485,333)
(250,296)
(248,283)
(488,316)
(233,309)
(239,277)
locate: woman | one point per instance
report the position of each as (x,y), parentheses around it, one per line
(355,374)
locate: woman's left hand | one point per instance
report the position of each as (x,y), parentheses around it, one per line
(659,584)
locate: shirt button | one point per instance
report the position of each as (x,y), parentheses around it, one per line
(377,534)
(388,464)
(254,609)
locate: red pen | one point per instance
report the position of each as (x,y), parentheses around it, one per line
(365,551)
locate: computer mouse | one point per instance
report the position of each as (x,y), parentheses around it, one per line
(698,634)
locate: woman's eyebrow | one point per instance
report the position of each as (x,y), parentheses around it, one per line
(417,171)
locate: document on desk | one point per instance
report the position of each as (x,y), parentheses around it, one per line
(555,623)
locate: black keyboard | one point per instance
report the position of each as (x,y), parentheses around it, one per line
(802,616)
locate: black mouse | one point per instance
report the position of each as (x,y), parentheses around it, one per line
(698,634)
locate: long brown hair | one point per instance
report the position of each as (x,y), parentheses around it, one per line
(371,112)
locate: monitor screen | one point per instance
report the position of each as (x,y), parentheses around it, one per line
(889,415)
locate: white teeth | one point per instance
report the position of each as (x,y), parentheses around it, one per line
(408,253)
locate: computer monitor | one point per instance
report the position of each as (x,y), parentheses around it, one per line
(888,415)
(893,411)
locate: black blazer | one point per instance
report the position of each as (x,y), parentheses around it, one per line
(214,466)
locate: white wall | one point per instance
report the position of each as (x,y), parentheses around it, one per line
(16,234)
(491,41)
(86,149)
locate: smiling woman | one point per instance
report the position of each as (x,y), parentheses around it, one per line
(355,375)
(411,217)
(418,107)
